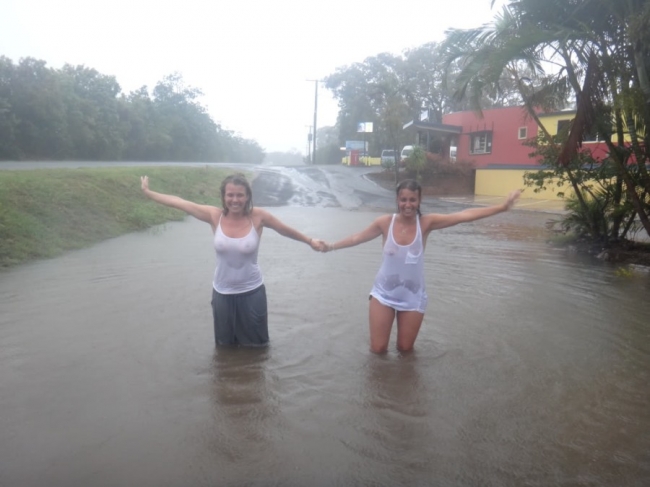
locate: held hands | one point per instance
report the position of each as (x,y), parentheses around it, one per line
(327,247)
(320,246)
(317,245)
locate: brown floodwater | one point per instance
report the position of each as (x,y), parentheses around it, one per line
(532,366)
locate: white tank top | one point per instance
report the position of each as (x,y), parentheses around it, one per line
(399,283)
(237,270)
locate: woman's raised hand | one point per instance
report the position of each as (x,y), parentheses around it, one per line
(512,198)
(144,183)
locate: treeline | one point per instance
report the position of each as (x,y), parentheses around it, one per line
(392,89)
(77,113)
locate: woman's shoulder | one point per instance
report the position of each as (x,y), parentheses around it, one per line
(256,210)
(430,221)
(215,215)
(384,220)
(258,213)
(260,217)
(215,211)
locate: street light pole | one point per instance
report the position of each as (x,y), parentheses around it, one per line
(313,159)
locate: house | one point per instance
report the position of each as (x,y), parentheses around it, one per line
(494,142)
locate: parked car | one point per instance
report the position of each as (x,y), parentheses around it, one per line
(388,158)
(407,150)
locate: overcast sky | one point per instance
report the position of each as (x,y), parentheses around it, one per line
(251,59)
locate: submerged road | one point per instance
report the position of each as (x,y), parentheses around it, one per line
(531,367)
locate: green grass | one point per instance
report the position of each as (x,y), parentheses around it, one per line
(46,212)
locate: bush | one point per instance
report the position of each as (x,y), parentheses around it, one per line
(416,162)
(436,166)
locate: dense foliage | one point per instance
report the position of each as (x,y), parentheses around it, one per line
(391,90)
(545,55)
(597,52)
(77,113)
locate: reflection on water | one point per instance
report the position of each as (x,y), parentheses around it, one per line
(531,368)
(244,406)
(394,437)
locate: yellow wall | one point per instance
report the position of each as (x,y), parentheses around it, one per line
(499,182)
(364,161)
(550,121)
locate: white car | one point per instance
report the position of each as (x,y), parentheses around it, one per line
(388,158)
(406,151)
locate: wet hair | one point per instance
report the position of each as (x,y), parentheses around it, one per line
(238,180)
(411,185)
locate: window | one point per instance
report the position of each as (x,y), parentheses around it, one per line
(591,136)
(564,126)
(481,143)
(523,132)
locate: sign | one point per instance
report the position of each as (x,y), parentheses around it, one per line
(354,145)
(364,127)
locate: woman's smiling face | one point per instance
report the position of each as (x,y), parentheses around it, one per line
(235,198)
(408,202)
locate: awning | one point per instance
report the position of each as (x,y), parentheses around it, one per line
(433,128)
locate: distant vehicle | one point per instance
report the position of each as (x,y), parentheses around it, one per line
(407,150)
(388,158)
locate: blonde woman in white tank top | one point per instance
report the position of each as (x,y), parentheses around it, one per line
(398,290)
(239,296)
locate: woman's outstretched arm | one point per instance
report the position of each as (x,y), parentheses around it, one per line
(270,221)
(202,212)
(436,221)
(373,231)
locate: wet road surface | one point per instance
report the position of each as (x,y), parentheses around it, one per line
(531,368)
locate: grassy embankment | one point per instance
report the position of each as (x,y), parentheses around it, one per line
(46,212)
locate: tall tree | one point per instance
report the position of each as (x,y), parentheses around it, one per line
(8,122)
(41,129)
(92,113)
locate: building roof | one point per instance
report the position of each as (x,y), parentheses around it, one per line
(433,127)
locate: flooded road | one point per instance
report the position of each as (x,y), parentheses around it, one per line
(531,368)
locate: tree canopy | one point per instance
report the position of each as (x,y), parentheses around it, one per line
(77,113)
(390,90)
(596,52)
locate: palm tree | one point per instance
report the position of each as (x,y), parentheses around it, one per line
(593,49)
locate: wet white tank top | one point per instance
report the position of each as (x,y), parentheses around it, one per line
(399,283)
(237,269)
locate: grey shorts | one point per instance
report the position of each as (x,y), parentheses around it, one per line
(241,319)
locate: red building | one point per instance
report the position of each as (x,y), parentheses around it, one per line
(493,139)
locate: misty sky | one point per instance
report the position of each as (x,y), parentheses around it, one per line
(251,59)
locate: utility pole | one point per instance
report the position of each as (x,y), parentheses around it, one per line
(309,139)
(313,159)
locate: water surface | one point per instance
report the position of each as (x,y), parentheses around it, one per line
(531,368)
